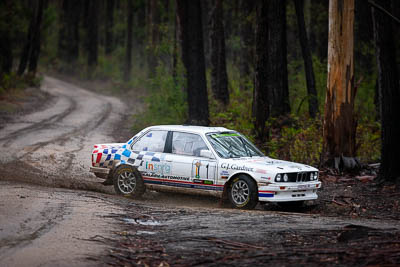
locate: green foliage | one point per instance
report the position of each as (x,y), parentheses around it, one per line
(13,81)
(166,102)
(237,115)
(369,141)
(301,142)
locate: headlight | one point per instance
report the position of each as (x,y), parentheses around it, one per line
(316,176)
(285,177)
(312,176)
(278,177)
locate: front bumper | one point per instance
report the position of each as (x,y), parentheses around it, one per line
(284,192)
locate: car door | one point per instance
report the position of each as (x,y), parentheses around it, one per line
(189,169)
(150,150)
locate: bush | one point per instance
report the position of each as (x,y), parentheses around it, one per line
(166,102)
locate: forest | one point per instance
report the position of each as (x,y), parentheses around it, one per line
(312,81)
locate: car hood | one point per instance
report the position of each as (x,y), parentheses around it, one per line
(268,164)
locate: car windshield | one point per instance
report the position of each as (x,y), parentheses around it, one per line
(232,145)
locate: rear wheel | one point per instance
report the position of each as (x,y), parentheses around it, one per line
(243,192)
(128,181)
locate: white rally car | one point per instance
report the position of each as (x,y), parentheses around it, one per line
(202,160)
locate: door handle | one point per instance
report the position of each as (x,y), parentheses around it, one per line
(168,160)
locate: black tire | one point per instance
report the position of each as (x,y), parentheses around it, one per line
(243,192)
(291,204)
(128,181)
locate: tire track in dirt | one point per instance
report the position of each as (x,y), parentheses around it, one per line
(45,123)
(55,149)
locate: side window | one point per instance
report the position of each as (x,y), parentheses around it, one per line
(187,144)
(153,141)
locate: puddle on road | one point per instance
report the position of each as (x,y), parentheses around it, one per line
(142,222)
(145,233)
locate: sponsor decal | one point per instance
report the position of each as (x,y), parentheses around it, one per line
(266,193)
(197,164)
(158,168)
(236,167)
(261,171)
(267,178)
(224,174)
(198,181)
(185,184)
(224,135)
(169,177)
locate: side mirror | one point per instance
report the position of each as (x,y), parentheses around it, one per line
(205,153)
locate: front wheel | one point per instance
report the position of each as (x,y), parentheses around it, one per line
(128,181)
(243,192)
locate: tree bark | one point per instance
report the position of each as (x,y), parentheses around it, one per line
(5,52)
(339,121)
(389,93)
(128,58)
(261,86)
(109,38)
(68,35)
(189,13)
(277,61)
(25,55)
(219,77)
(308,67)
(35,50)
(92,33)
(205,19)
(153,32)
(6,45)
(175,49)
(246,61)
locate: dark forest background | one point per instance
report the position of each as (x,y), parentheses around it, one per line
(259,67)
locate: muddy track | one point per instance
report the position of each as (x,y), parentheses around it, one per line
(36,126)
(56,142)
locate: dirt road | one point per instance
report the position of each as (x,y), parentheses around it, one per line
(54,143)
(49,226)
(44,226)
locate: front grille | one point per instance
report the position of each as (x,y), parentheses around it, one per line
(298,177)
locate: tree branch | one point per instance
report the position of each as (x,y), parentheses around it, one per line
(372,3)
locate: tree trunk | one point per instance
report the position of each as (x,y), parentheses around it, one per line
(205,13)
(109,40)
(261,86)
(308,67)
(92,33)
(153,21)
(128,58)
(389,93)
(339,122)
(6,57)
(25,55)
(277,61)
(246,63)
(175,49)
(219,77)
(68,35)
(35,49)
(189,13)
(6,44)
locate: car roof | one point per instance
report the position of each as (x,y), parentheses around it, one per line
(190,128)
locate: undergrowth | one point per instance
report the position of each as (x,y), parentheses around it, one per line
(295,137)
